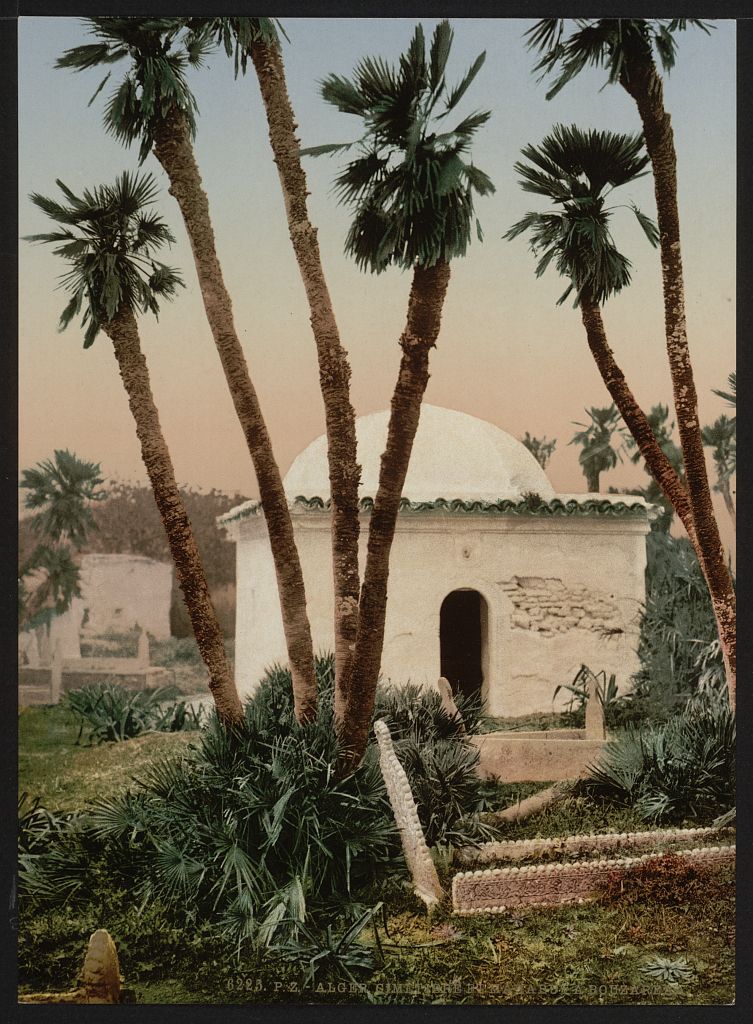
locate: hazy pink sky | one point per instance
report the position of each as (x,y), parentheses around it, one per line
(506,352)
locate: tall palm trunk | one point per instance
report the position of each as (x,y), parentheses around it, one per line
(658,464)
(334,369)
(173,149)
(592,480)
(123,332)
(419,337)
(641,81)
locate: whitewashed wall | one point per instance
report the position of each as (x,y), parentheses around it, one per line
(530,650)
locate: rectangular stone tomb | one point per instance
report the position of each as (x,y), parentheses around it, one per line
(498,890)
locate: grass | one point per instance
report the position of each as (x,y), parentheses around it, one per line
(537,721)
(65,776)
(588,954)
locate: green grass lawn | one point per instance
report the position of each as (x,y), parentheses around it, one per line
(588,954)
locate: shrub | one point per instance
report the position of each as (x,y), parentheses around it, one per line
(254,830)
(678,644)
(113,713)
(684,767)
(412,710)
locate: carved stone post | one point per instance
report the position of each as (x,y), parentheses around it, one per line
(595,728)
(448,704)
(143,650)
(56,673)
(417,855)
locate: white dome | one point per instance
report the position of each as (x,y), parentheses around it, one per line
(454,456)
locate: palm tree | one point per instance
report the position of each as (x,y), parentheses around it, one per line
(411,187)
(541,449)
(257,38)
(60,492)
(577,171)
(599,452)
(626,48)
(154,106)
(108,238)
(721,438)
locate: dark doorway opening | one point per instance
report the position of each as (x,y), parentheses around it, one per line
(462,638)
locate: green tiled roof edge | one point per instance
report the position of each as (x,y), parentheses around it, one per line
(505,506)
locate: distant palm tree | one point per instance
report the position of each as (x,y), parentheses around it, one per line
(721,438)
(576,171)
(597,438)
(541,449)
(153,105)
(108,237)
(411,188)
(60,492)
(257,39)
(625,48)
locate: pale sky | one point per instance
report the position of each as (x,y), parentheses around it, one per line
(506,352)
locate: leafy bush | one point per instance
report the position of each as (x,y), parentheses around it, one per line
(113,713)
(254,830)
(683,767)
(678,647)
(412,710)
(446,788)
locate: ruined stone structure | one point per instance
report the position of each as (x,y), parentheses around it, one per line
(119,592)
(496,582)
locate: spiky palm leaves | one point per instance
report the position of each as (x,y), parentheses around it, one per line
(109,239)
(604,43)
(412,185)
(577,170)
(155,81)
(721,438)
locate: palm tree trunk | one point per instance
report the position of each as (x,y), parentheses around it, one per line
(122,330)
(592,480)
(173,149)
(657,462)
(641,81)
(334,369)
(419,337)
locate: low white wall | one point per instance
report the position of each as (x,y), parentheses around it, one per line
(122,591)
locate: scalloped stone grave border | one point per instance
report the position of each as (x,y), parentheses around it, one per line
(497,890)
(593,842)
(417,856)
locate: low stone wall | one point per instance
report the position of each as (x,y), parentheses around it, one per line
(536,756)
(500,889)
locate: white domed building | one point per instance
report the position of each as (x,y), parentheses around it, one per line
(496,582)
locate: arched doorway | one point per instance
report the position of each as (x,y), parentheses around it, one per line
(463,640)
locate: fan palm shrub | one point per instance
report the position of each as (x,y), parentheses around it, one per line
(628,49)
(114,714)
(682,768)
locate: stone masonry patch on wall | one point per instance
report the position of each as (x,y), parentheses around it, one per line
(545,605)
